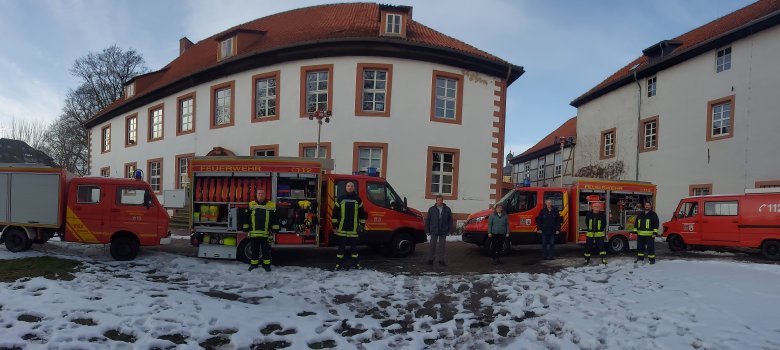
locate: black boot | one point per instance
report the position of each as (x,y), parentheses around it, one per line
(652,261)
(587,260)
(638,259)
(252,266)
(604,261)
(267,267)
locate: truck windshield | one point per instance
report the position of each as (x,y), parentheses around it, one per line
(381,194)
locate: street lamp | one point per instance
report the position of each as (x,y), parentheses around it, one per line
(319,115)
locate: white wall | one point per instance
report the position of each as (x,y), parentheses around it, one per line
(408,131)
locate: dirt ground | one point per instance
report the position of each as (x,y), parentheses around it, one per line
(466,258)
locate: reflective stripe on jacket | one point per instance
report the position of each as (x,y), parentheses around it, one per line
(348,215)
(261,219)
(596,224)
(646,224)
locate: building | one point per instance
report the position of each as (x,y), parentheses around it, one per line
(545,162)
(426,110)
(16,151)
(696,114)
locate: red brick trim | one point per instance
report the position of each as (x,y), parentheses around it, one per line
(306,69)
(691,187)
(127,130)
(455,172)
(149,172)
(103,148)
(277,76)
(178,113)
(458,97)
(713,103)
(176,168)
(274,147)
(602,155)
(356,155)
(213,98)
(127,169)
(767,183)
(359,89)
(641,138)
(498,157)
(151,110)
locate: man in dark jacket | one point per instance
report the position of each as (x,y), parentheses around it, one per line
(548,223)
(438,224)
(646,228)
(349,218)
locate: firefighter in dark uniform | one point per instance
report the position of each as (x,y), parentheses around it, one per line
(349,218)
(262,219)
(596,224)
(646,228)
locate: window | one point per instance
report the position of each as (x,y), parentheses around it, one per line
(316,89)
(308,152)
(720,118)
(373,89)
(308,149)
(649,135)
(383,195)
(155,174)
(527,170)
(540,169)
(105,172)
(129,90)
(156,123)
(729,208)
(131,130)
(266,99)
(700,190)
(226,48)
(182,169)
(519,201)
(88,194)
(132,196)
(555,197)
(558,163)
(105,139)
(688,209)
(768,184)
(447,97)
(442,172)
(393,24)
(222,105)
(651,86)
(370,155)
(130,170)
(185,114)
(608,142)
(264,151)
(723,62)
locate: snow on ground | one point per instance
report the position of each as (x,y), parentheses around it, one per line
(160,300)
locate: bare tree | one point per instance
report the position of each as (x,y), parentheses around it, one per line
(30,131)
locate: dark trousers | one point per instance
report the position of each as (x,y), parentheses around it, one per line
(257,244)
(645,245)
(548,244)
(343,241)
(497,242)
(594,242)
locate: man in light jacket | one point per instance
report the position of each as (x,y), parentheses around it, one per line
(438,224)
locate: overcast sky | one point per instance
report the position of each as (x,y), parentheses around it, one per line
(566,47)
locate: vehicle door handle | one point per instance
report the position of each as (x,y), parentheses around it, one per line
(114,210)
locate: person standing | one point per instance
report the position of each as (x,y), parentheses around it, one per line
(349,218)
(261,221)
(438,225)
(548,223)
(646,228)
(596,224)
(498,228)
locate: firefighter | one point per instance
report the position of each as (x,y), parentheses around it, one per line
(349,218)
(596,223)
(646,228)
(262,219)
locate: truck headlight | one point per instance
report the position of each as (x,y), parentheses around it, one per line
(476,220)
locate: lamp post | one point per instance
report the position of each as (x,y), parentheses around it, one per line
(319,115)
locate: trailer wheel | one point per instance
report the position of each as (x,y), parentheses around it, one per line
(676,243)
(617,245)
(124,248)
(771,250)
(402,245)
(16,240)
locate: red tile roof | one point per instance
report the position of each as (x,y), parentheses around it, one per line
(690,40)
(568,128)
(297,27)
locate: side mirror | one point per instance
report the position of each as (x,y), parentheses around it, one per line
(680,215)
(406,204)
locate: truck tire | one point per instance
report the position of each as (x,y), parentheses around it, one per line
(676,243)
(244,252)
(771,250)
(124,248)
(16,240)
(487,247)
(402,245)
(617,245)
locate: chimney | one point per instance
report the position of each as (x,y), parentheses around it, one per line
(184,44)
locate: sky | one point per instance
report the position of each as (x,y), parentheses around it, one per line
(566,47)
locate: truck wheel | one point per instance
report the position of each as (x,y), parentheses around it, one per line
(244,253)
(770,250)
(676,243)
(124,248)
(617,245)
(16,240)
(402,245)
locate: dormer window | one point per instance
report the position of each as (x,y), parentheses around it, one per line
(129,90)
(227,48)
(393,24)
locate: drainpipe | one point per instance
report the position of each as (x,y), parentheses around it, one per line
(638,123)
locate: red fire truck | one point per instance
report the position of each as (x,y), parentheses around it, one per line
(623,200)
(750,220)
(304,195)
(38,203)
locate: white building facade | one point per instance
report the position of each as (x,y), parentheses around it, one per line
(702,119)
(429,125)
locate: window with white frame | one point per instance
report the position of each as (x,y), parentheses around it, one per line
(374,90)
(222,106)
(268,152)
(609,144)
(182,170)
(701,191)
(721,119)
(185,115)
(317,91)
(446,97)
(723,62)
(155,175)
(131,138)
(129,90)
(651,86)
(226,48)
(156,124)
(442,173)
(527,170)
(105,172)
(308,152)
(650,134)
(265,97)
(130,171)
(540,168)
(106,143)
(393,24)
(558,163)
(370,157)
